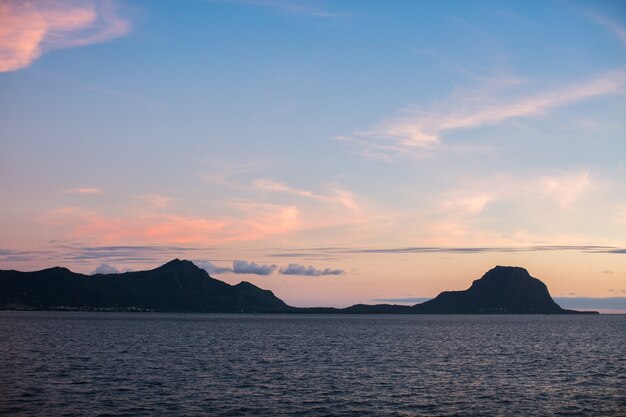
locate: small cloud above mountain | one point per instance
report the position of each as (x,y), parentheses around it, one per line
(105,269)
(245,267)
(213,269)
(298,269)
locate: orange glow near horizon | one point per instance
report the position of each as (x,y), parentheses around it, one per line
(380,158)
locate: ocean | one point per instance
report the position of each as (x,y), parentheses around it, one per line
(150,364)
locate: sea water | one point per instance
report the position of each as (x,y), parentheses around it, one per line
(147,364)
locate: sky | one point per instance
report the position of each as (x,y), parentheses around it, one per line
(334,152)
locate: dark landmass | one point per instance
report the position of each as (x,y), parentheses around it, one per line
(180,286)
(177,286)
(501,290)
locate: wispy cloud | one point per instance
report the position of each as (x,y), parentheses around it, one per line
(501,249)
(475,210)
(618,30)
(255,221)
(245,267)
(121,253)
(423,128)
(248,218)
(305,7)
(274,186)
(229,173)
(470,204)
(61,253)
(100,90)
(460,249)
(334,194)
(298,269)
(92,255)
(85,190)
(13,255)
(322,206)
(561,189)
(154,199)
(332,206)
(29,29)
(565,189)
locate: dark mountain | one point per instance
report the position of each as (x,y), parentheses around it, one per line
(176,286)
(183,287)
(504,289)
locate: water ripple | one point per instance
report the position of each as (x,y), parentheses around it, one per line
(119,364)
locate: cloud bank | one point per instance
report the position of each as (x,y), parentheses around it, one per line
(590,303)
(246,267)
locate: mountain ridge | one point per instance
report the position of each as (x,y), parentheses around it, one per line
(176,286)
(181,286)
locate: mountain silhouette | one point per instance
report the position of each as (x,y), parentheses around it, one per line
(503,289)
(176,286)
(180,286)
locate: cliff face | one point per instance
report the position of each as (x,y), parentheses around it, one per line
(504,289)
(176,286)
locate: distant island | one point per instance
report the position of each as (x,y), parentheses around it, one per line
(180,286)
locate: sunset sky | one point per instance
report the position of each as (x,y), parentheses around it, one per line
(334,152)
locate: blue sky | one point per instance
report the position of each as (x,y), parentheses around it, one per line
(318,136)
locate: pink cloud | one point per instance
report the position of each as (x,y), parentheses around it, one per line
(155,200)
(332,207)
(29,29)
(274,186)
(153,221)
(84,190)
(168,228)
